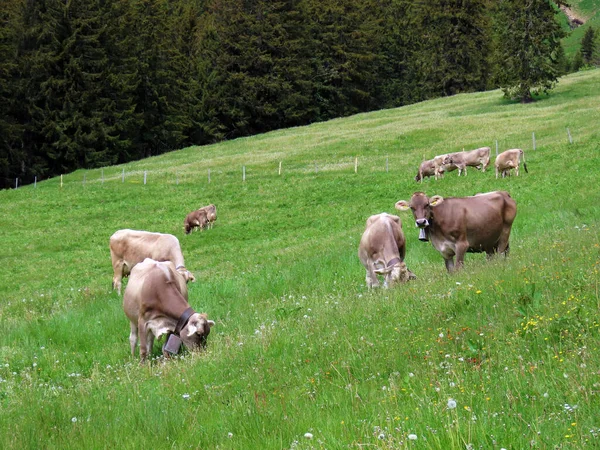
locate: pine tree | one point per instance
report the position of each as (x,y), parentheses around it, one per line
(527,47)
(454,46)
(588,45)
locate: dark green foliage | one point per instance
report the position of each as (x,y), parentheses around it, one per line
(454,46)
(528,42)
(588,44)
(91,83)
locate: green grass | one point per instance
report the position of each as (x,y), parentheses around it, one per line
(300,345)
(589,11)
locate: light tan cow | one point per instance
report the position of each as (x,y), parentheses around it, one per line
(508,160)
(129,247)
(211,214)
(156,303)
(440,168)
(382,250)
(479,158)
(426,169)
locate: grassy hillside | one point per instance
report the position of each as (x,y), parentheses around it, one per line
(300,345)
(588,11)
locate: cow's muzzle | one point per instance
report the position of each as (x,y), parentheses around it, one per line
(422,223)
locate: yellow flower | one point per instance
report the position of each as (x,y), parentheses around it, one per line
(478,291)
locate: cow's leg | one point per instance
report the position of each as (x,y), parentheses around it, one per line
(149,342)
(503,241)
(117,275)
(496,173)
(371,278)
(465,170)
(460,250)
(133,336)
(517,170)
(143,339)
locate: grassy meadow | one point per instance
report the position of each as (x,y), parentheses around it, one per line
(504,354)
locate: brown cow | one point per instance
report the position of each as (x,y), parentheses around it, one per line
(129,247)
(479,158)
(194,220)
(426,169)
(201,218)
(156,303)
(382,249)
(457,225)
(508,160)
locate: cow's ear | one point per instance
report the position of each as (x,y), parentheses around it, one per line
(436,200)
(211,323)
(402,205)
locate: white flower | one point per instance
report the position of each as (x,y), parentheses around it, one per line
(451,403)
(74,419)
(381,436)
(411,374)
(412,437)
(441,335)
(546,395)
(186,396)
(230,435)
(308,435)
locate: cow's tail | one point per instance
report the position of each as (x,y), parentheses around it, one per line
(524,164)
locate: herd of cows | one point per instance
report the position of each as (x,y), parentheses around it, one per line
(455,226)
(156,297)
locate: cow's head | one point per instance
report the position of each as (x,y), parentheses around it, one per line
(195,332)
(186,274)
(421,207)
(418,176)
(398,273)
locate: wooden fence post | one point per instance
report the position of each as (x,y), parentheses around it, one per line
(61,180)
(569,134)
(16,183)
(35,181)
(209,175)
(279,167)
(145,177)
(243,173)
(533,137)
(496,147)
(123,176)
(83,182)
(356,165)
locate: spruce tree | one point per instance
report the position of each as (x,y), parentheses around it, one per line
(588,45)
(527,47)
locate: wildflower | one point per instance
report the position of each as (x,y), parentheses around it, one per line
(74,419)
(478,291)
(230,435)
(186,396)
(308,435)
(381,436)
(412,437)
(451,403)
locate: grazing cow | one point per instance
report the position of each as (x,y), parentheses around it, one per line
(194,220)
(479,158)
(129,247)
(201,218)
(382,249)
(508,160)
(426,169)
(156,303)
(439,167)
(457,225)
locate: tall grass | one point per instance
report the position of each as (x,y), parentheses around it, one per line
(300,345)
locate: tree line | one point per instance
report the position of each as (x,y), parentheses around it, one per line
(91,83)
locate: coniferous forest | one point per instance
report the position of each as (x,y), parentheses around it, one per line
(90,83)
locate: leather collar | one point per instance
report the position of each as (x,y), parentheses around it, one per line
(183,320)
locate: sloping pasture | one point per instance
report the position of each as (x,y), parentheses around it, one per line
(503,354)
